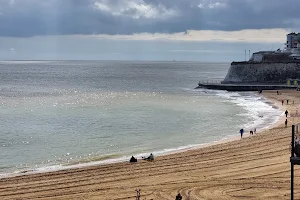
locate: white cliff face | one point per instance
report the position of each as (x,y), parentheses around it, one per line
(269,72)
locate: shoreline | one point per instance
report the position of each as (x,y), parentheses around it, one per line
(166,152)
(254,167)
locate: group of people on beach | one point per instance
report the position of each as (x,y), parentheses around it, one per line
(149,158)
(287,102)
(286,112)
(251,132)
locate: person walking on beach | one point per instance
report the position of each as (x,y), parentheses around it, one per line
(241,132)
(287,102)
(286,113)
(285,123)
(282,101)
(251,132)
(254,130)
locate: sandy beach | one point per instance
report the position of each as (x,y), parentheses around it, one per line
(255,167)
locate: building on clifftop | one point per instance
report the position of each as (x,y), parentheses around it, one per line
(290,52)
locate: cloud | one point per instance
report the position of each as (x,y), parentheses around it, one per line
(197,51)
(135,9)
(212,4)
(249,36)
(27,18)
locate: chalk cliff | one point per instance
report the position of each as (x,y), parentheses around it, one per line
(262,72)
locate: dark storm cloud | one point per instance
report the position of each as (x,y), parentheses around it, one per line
(25,18)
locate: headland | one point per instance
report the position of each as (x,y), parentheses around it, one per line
(265,70)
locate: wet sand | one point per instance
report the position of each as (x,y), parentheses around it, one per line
(255,167)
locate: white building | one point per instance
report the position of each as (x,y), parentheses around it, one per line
(290,52)
(292,41)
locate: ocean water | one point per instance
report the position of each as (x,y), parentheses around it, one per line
(59,114)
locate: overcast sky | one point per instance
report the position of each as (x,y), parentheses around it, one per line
(205,30)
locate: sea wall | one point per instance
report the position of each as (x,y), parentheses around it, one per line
(262,72)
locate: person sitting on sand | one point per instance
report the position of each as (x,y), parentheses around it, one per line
(133,159)
(150,158)
(178,197)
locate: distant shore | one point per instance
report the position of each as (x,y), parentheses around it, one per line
(256,167)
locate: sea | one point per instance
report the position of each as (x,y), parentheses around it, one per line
(64,114)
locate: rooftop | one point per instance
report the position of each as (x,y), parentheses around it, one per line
(293,33)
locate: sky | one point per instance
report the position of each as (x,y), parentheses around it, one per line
(195,30)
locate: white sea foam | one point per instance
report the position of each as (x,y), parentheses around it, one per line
(258,109)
